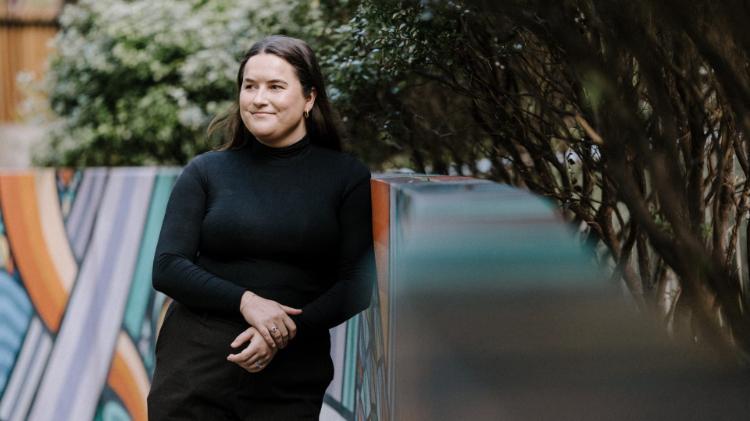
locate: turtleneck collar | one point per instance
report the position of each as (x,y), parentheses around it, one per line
(284,153)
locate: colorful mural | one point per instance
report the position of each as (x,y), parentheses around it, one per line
(75,283)
(79,314)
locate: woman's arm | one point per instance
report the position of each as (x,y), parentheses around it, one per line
(351,293)
(174,271)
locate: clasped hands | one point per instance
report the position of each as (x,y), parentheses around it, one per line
(270,329)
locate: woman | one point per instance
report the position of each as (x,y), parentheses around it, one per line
(266,244)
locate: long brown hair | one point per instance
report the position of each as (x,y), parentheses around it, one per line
(321,124)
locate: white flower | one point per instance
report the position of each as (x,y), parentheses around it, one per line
(191,117)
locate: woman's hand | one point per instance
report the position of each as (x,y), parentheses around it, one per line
(256,356)
(270,318)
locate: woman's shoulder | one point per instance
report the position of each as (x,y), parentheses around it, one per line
(211,158)
(342,161)
(205,165)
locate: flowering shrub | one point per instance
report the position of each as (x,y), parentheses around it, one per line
(136,82)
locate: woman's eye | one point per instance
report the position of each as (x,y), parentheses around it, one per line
(276,87)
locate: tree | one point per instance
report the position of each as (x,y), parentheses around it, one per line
(631,116)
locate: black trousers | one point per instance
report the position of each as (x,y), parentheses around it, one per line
(194,381)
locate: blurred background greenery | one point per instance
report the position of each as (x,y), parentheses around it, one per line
(136,82)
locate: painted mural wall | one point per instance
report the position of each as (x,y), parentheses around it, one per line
(76,252)
(79,315)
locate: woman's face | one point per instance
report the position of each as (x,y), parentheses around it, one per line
(272,101)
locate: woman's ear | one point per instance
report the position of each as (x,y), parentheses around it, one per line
(310,99)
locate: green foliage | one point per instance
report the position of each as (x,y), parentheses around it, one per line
(136,82)
(381,61)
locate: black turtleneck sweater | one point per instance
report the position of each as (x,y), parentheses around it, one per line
(291,224)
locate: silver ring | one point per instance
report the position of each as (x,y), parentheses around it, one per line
(258,365)
(274,329)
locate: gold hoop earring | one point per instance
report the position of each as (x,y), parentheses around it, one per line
(306,113)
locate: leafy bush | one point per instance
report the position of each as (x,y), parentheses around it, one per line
(136,82)
(382,63)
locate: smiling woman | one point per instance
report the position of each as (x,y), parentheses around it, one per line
(279,75)
(266,244)
(272,101)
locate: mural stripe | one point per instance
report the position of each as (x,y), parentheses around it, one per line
(338,349)
(112,411)
(381,236)
(15,306)
(67,181)
(128,378)
(53,228)
(329,414)
(80,204)
(15,311)
(5,260)
(85,209)
(80,361)
(141,286)
(39,354)
(157,310)
(21,215)
(30,388)
(10,396)
(350,357)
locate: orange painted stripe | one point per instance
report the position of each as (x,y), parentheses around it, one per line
(52,225)
(127,377)
(381,209)
(123,381)
(32,257)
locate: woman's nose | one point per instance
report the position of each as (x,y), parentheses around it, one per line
(260,96)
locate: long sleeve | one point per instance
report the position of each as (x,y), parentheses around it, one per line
(351,292)
(175,272)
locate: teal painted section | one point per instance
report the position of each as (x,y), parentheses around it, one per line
(15,313)
(350,360)
(141,289)
(112,411)
(156,306)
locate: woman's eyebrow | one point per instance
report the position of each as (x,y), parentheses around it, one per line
(247,79)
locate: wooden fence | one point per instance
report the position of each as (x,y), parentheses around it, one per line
(26,29)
